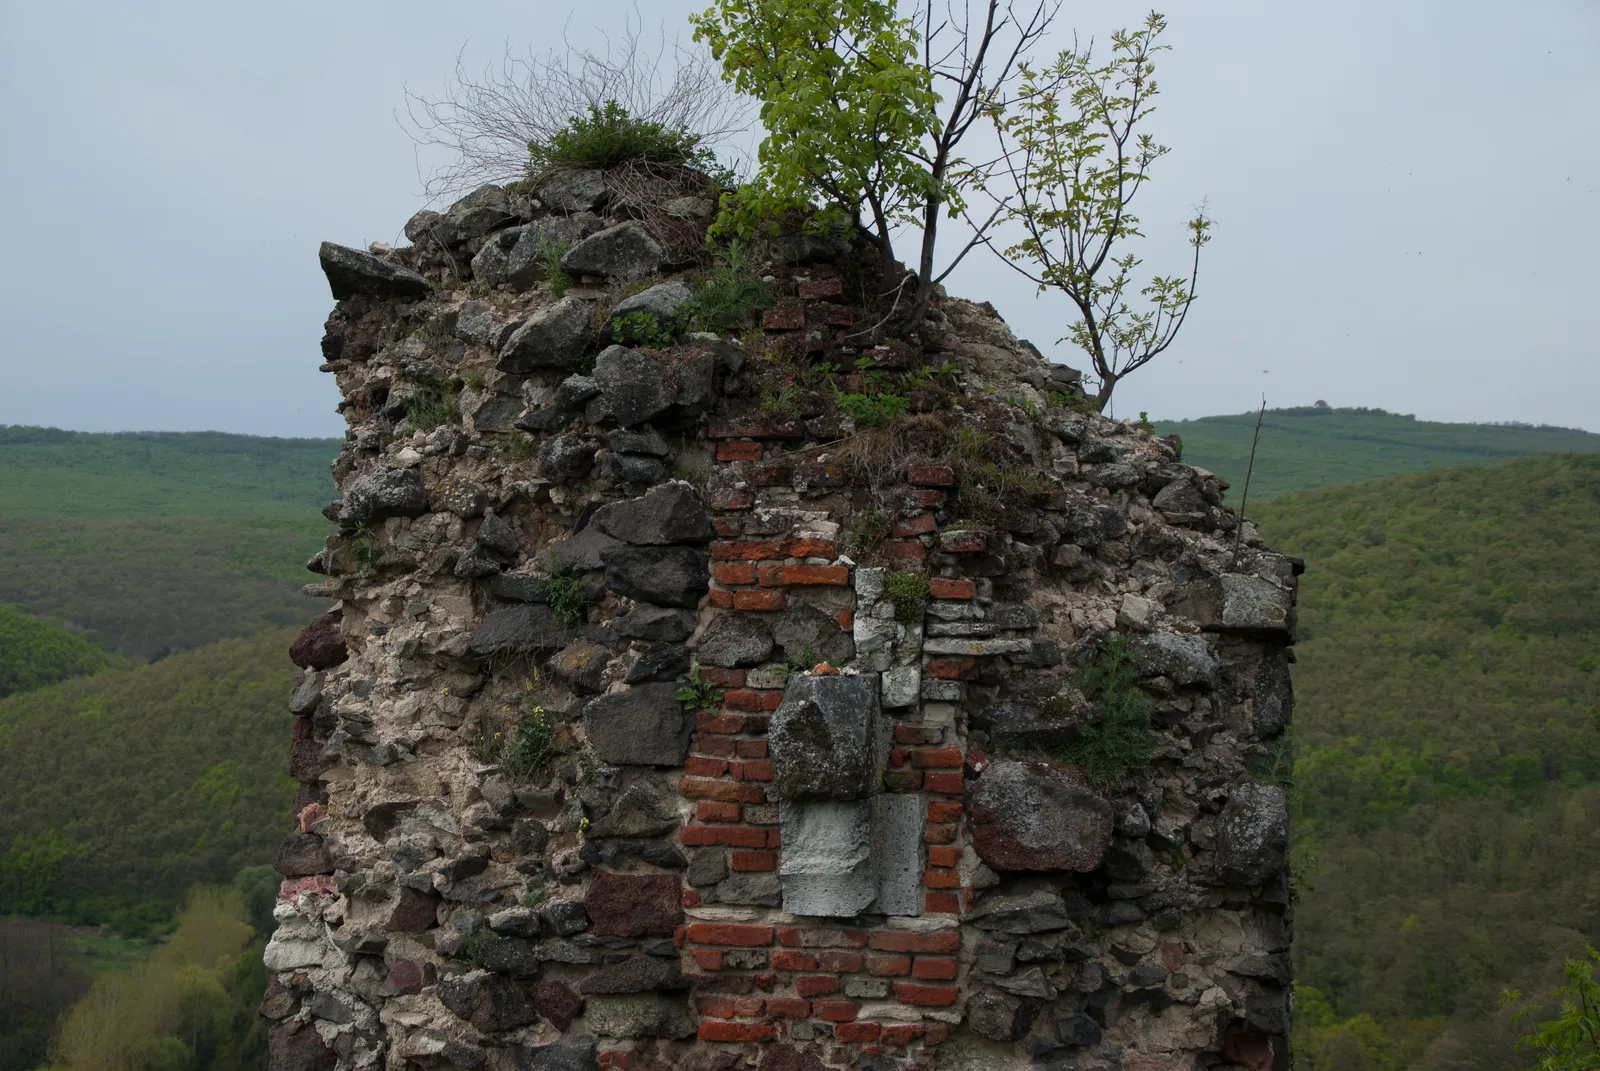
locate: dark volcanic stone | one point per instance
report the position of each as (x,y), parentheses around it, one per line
(1031,817)
(634,905)
(659,662)
(568,1054)
(298,1047)
(789,1058)
(414,912)
(302,855)
(530,627)
(734,639)
(552,338)
(636,387)
(802,627)
(567,456)
(353,271)
(557,1003)
(489,1001)
(640,974)
(646,622)
(573,190)
(999,1016)
(320,644)
(641,811)
(505,955)
(581,551)
(385,493)
(643,726)
(1253,835)
(825,739)
(671,513)
(1077,1030)
(665,576)
(565,917)
(485,209)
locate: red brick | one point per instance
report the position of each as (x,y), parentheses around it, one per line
(940,856)
(937,942)
(698,788)
(715,1007)
(815,985)
(722,678)
(728,933)
(739,450)
(753,862)
(748,1007)
(707,722)
(622,1059)
(775,838)
(908,551)
(758,600)
(951,784)
(934,969)
(941,878)
(699,766)
(941,903)
(770,576)
(708,811)
(833,575)
(841,962)
(749,550)
(795,937)
(753,426)
(720,746)
(943,811)
(913,526)
(951,671)
(941,588)
(927,996)
(745,699)
(731,836)
(835,1011)
(943,758)
(752,749)
(889,966)
(826,287)
(691,898)
(856,1032)
(709,959)
(775,473)
(934,1034)
(903,780)
(938,833)
(786,960)
(926,499)
(917,734)
(718,1031)
(721,598)
(783,318)
(899,756)
(846,619)
(901,1034)
(755,770)
(809,547)
(791,1007)
(930,475)
(734,573)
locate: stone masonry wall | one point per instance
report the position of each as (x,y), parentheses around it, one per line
(667,719)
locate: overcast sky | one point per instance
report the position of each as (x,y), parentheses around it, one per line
(1407,197)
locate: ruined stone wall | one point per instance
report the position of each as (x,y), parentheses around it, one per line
(667,719)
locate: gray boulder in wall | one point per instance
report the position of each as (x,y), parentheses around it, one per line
(554,338)
(662,300)
(735,640)
(576,190)
(626,251)
(1184,659)
(643,726)
(529,627)
(826,741)
(670,513)
(525,262)
(386,493)
(1028,816)
(635,386)
(353,271)
(491,1002)
(485,209)
(664,576)
(1253,835)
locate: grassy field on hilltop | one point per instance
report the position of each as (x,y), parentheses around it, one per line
(1447,782)
(160,541)
(1314,447)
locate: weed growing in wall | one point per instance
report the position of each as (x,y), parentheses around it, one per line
(529,743)
(551,252)
(696,693)
(563,593)
(909,593)
(1119,742)
(608,135)
(430,409)
(730,294)
(644,329)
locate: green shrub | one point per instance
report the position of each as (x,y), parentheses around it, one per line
(609,136)
(1106,751)
(645,329)
(729,296)
(873,410)
(563,593)
(909,593)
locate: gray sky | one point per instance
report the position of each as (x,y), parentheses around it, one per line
(1407,196)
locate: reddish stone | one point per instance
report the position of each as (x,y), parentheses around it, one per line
(756,770)
(709,959)
(937,856)
(901,1034)
(754,427)
(926,996)
(721,598)
(722,678)
(789,1058)
(557,1003)
(734,573)
(795,937)
(776,473)
(739,450)
(748,1007)
(826,287)
(786,960)
(942,588)
(414,912)
(952,671)
(298,1047)
(753,749)
(700,766)
(727,933)
(903,780)
(633,905)
(815,985)
(707,722)
(944,811)
(788,1007)
(783,318)
(935,833)
(720,746)
(691,898)
(405,976)
(940,941)
(811,547)
(930,475)
(320,644)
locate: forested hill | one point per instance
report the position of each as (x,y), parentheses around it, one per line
(1448,777)
(160,541)
(1316,446)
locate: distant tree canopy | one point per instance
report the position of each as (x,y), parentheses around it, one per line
(33,654)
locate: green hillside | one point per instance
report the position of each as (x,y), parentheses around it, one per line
(160,541)
(34,654)
(1448,739)
(132,785)
(1313,447)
